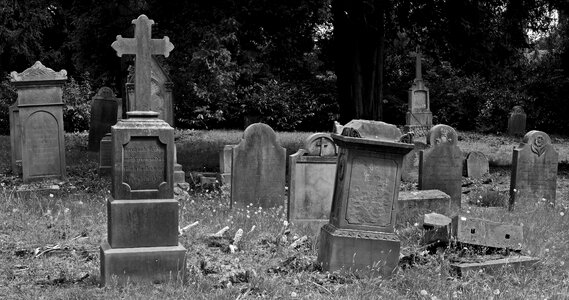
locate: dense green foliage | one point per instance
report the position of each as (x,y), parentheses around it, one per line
(275,61)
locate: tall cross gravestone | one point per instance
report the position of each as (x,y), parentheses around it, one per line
(36,123)
(142,213)
(419,117)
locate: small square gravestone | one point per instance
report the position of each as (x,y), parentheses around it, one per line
(38,123)
(311,182)
(360,235)
(258,168)
(106,110)
(161,87)
(440,167)
(517,121)
(534,170)
(476,165)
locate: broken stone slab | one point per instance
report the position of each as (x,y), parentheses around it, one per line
(513,262)
(433,200)
(486,233)
(437,228)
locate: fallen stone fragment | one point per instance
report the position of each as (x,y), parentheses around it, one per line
(514,262)
(437,229)
(486,233)
(433,200)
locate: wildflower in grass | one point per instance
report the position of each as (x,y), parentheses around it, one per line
(424,293)
(543,199)
(51,195)
(561,263)
(562,214)
(496,292)
(416,224)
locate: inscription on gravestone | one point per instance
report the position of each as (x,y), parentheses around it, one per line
(42,137)
(373,181)
(143,163)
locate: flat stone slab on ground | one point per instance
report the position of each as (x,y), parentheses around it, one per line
(515,262)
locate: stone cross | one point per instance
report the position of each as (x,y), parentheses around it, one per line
(143,46)
(417,55)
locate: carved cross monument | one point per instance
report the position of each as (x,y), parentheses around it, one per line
(143,46)
(419,117)
(142,214)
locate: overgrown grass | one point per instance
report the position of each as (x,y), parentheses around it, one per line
(74,217)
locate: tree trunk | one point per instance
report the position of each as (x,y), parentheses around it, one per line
(359,38)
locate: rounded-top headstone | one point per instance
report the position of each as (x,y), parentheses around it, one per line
(320,144)
(375,130)
(105,93)
(538,141)
(518,110)
(442,134)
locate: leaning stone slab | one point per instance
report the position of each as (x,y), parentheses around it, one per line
(513,262)
(433,200)
(486,233)
(534,170)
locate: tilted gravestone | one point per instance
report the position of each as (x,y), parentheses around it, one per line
(161,87)
(410,171)
(517,121)
(419,116)
(311,182)
(225,161)
(258,168)
(476,165)
(534,170)
(440,167)
(360,235)
(37,123)
(106,110)
(142,230)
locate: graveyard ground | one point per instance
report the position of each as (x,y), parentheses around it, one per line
(49,242)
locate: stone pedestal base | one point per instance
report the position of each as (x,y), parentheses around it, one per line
(150,264)
(179,174)
(419,118)
(358,250)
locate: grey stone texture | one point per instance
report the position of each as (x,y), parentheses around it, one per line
(106,110)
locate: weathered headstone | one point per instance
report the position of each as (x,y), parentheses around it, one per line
(517,121)
(419,116)
(486,233)
(161,85)
(142,238)
(534,170)
(225,161)
(39,120)
(311,182)
(440,167)
(410,171)
(106,110)
(258,170)
(105,155)
(360,235)
(15,135)
(476,165)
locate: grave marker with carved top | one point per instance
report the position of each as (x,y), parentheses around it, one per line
(36,123)
(534,170)
(142,212)
(419,115)
(106,109)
